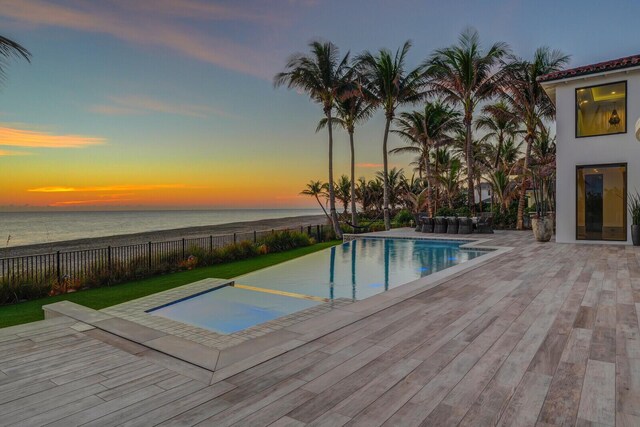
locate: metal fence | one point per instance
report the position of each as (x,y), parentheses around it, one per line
(137,260)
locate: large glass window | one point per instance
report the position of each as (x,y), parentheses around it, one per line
(601,193)
(601,110)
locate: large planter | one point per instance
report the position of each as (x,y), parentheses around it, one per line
(542,228)
(635,234)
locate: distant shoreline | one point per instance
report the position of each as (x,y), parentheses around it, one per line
(162,235)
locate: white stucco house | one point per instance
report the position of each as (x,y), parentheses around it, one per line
(598,155)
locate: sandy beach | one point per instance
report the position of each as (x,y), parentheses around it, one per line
(163,235)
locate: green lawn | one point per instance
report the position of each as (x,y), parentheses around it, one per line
(97,299)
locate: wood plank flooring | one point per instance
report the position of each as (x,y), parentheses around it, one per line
(545,335)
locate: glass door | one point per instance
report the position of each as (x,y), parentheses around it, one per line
(601,193)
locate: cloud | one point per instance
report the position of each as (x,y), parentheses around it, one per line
(205,10)
(107,188)
(14,137)
(7,153)
(136,104)
(165,24)
(88,202)
(369,165)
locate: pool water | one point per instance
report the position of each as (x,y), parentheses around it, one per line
(354,270)
(227,310)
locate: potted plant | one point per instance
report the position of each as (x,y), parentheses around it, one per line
(633,205)
(542,183)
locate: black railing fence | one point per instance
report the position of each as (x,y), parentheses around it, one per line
(138,260)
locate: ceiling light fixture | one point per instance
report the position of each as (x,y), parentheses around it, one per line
(614,120)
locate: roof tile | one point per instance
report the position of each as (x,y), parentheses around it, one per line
(615,64)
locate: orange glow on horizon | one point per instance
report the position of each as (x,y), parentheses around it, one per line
(108,188)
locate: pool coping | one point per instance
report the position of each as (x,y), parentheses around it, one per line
(227,362)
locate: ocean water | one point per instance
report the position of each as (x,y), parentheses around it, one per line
(24,228)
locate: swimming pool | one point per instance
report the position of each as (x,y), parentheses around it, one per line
(354,270)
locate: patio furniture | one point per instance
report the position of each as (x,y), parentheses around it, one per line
(452,225)
(427,225)
(418,219)
(465,225)
(485,225)
(440,225)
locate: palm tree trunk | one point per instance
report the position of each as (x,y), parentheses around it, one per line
(332,194)
(429,187)
(523,187)
(385,165)
(500,142)
(469,154)
(480,191)
(323,209)
(354,213)
(435,208)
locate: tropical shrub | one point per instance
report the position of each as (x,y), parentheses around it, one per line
(507,219)
(463,211)
(22,289)
(445,211)
(403,218)
(285,240)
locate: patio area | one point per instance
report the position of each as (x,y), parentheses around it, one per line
(545,334)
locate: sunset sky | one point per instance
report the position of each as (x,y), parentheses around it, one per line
(170,104)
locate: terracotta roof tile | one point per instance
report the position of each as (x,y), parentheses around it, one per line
(615,64)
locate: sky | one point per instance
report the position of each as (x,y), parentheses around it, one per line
(169,104)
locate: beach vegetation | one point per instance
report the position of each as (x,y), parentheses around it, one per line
(480,112)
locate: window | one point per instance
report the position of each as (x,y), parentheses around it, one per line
(601,192)
(601,110)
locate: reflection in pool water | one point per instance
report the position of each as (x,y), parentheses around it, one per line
(354,270)
(361,268)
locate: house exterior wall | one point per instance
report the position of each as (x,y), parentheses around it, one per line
(596,150)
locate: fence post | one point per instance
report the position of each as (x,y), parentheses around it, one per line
(235,240)
(255,236)
(149,256)
(109,261)
(183,248)
(301,229)
(318,233)
(210,243)
(58,266)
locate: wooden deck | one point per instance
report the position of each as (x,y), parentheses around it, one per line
(547,334)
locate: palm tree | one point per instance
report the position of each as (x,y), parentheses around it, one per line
(463,75)
(504,188)
(10,49)
(440,159)
(424,131)
(529,102)
(543,157)
(352,109)
(396,183)
(320,74)
(316,189)
(450,180)
(387,84)
(343,191)
(362,194)
(510,153)
(500,124)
